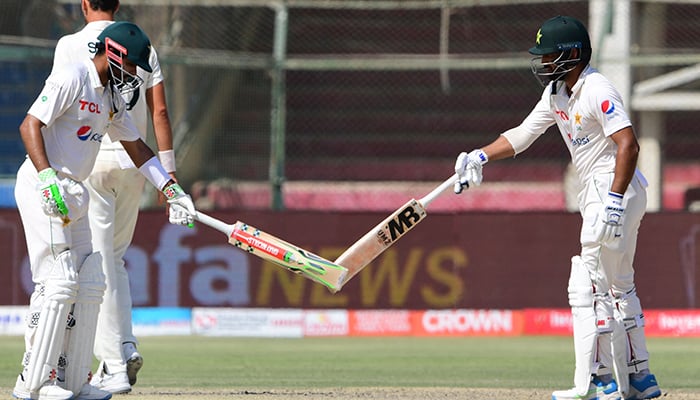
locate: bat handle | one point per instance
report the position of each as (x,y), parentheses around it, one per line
(214,223)
(438,190)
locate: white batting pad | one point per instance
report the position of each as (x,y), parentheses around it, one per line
(584,320)
(630,312)
(59,294)
(620,357)
(81,337)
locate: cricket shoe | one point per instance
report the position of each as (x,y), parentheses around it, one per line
(134,361)
(89,392)
(644,388)
(597,390)
(50,391)
(116,383)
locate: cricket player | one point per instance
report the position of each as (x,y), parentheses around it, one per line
(62,133)
(612,360)
(115,187)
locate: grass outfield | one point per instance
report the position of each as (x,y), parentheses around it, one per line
(345,368)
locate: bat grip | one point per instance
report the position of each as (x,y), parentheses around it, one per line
(214,223)
(438,190)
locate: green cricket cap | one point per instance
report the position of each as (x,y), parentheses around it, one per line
(133,39)
(559,34)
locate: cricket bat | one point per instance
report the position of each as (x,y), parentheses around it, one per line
(279,252)
(393,228)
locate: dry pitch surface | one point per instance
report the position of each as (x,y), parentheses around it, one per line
(376,393)
(365,393)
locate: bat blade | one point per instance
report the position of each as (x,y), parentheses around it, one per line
(280,252)
(388,232)
(381,237)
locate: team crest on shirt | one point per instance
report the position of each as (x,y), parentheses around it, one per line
(578,122)
(85,133)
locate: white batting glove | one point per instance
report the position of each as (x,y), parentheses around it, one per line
(468,166)
(181,211)
(52,194)
(609,225)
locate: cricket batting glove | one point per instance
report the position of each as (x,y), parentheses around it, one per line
(609,227)
(182,209)
(468,166)
(52,194)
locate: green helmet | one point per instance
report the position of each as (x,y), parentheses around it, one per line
(130,40)
(125,41)
(560,34)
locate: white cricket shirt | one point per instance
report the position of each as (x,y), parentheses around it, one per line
(77,111)
(585,120)
(78,46)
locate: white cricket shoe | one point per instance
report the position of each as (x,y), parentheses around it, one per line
(596,391)
(50,391)
(89,392)
(134,361)
(116,383)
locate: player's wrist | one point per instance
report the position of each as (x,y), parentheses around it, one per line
(47,174)
(173,190)
(478,156)
(155,173)
(167,158)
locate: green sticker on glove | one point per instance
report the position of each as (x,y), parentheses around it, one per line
(56,196)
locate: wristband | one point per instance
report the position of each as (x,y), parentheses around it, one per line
(155,173)
(167,158)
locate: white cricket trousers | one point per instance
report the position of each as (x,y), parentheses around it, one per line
(46,237)
(611,268)
(115,196)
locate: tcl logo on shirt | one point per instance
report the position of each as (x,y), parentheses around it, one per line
(85,133)
(90,107)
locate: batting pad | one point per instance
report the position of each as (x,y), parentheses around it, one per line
(620,357)
(630,313)
(584,319)
(81,336)
(50,333)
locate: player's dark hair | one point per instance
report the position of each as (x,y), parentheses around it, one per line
(100,48)
(104,5)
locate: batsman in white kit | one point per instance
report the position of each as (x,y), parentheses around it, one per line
(612,361)
(115,187)
(62,133)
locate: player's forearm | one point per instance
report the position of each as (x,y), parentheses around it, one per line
(138,151)
(163,132)
(30,131)
(625,164)
(499,149)
(625,159)
(155,97)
